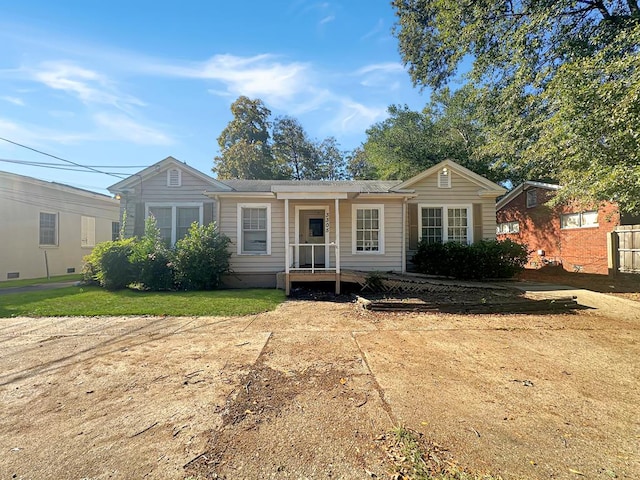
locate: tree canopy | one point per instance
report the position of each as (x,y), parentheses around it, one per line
(254,147)
(408,142)
(558,84)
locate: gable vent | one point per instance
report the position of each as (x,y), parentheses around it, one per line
(444,178)
(174,177)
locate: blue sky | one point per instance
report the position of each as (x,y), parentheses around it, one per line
(128,83)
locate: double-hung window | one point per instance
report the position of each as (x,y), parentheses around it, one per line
(368,228)
(579,220)
(439,224)
(254,229)
(48,229)
(174,221)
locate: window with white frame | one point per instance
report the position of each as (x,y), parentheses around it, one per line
(174,221)
(579,220)
(254,229)
(532,198)
(508,227)
(48,229)
(368,228)
(87,231)
(439,224)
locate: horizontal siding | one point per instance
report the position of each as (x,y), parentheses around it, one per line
(155,189)
(254,263)
(391,260)
(392,257)
(462,192)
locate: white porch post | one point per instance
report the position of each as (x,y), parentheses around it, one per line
(337,208)
(404,236)
(287,253)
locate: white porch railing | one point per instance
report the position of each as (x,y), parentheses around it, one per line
(308,250)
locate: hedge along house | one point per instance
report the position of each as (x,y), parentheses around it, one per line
(285,231)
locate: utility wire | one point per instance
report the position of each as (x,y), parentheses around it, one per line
(47,164)
(62,159)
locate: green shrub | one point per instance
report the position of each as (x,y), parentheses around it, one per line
(108,264)
(481,260)
(201,258)
(151,259)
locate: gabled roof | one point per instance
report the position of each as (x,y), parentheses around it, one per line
(163,166)
(14,177)
(524,186)
(490,188)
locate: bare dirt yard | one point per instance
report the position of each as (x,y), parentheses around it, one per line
(311,389)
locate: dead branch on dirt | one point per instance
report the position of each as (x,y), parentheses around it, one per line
(142,431)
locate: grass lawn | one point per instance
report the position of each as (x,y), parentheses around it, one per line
(91,301)
(76,277)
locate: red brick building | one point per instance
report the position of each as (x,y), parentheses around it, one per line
(572,235)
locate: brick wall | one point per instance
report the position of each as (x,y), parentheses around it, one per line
(576,249)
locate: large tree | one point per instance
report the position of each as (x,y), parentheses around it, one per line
(245,143)
(408,142)
(292,148)
(559,83)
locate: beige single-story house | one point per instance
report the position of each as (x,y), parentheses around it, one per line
(313,230)
(48,227)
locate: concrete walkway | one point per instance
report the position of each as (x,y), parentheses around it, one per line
(610,305)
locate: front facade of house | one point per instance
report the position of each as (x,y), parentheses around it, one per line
(572,235)
(313,230)
(47,228)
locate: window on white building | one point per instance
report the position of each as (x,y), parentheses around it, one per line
(48,229)
(87,231)
(174,221)
(367,228)
(254,229)
(439,224)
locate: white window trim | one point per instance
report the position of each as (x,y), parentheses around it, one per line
(579,227)
(174,217)
(87,231)
(445,173)
(512,228)
(534,202)
(57,235)
(169,177)
(240,207)
(354,219)
(445,220)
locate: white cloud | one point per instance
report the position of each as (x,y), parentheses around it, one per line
(87,85)
(374,31)
(327,19)
(125,128)
(14,100)
(35,135)
(257,76)
(355,117)
(380,75)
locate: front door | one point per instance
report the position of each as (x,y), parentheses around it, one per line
(312,232)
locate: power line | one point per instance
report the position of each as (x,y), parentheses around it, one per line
(62,159)
(47,164)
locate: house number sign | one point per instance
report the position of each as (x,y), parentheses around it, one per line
(326,222)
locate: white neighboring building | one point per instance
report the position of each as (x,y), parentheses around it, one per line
(47,228)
